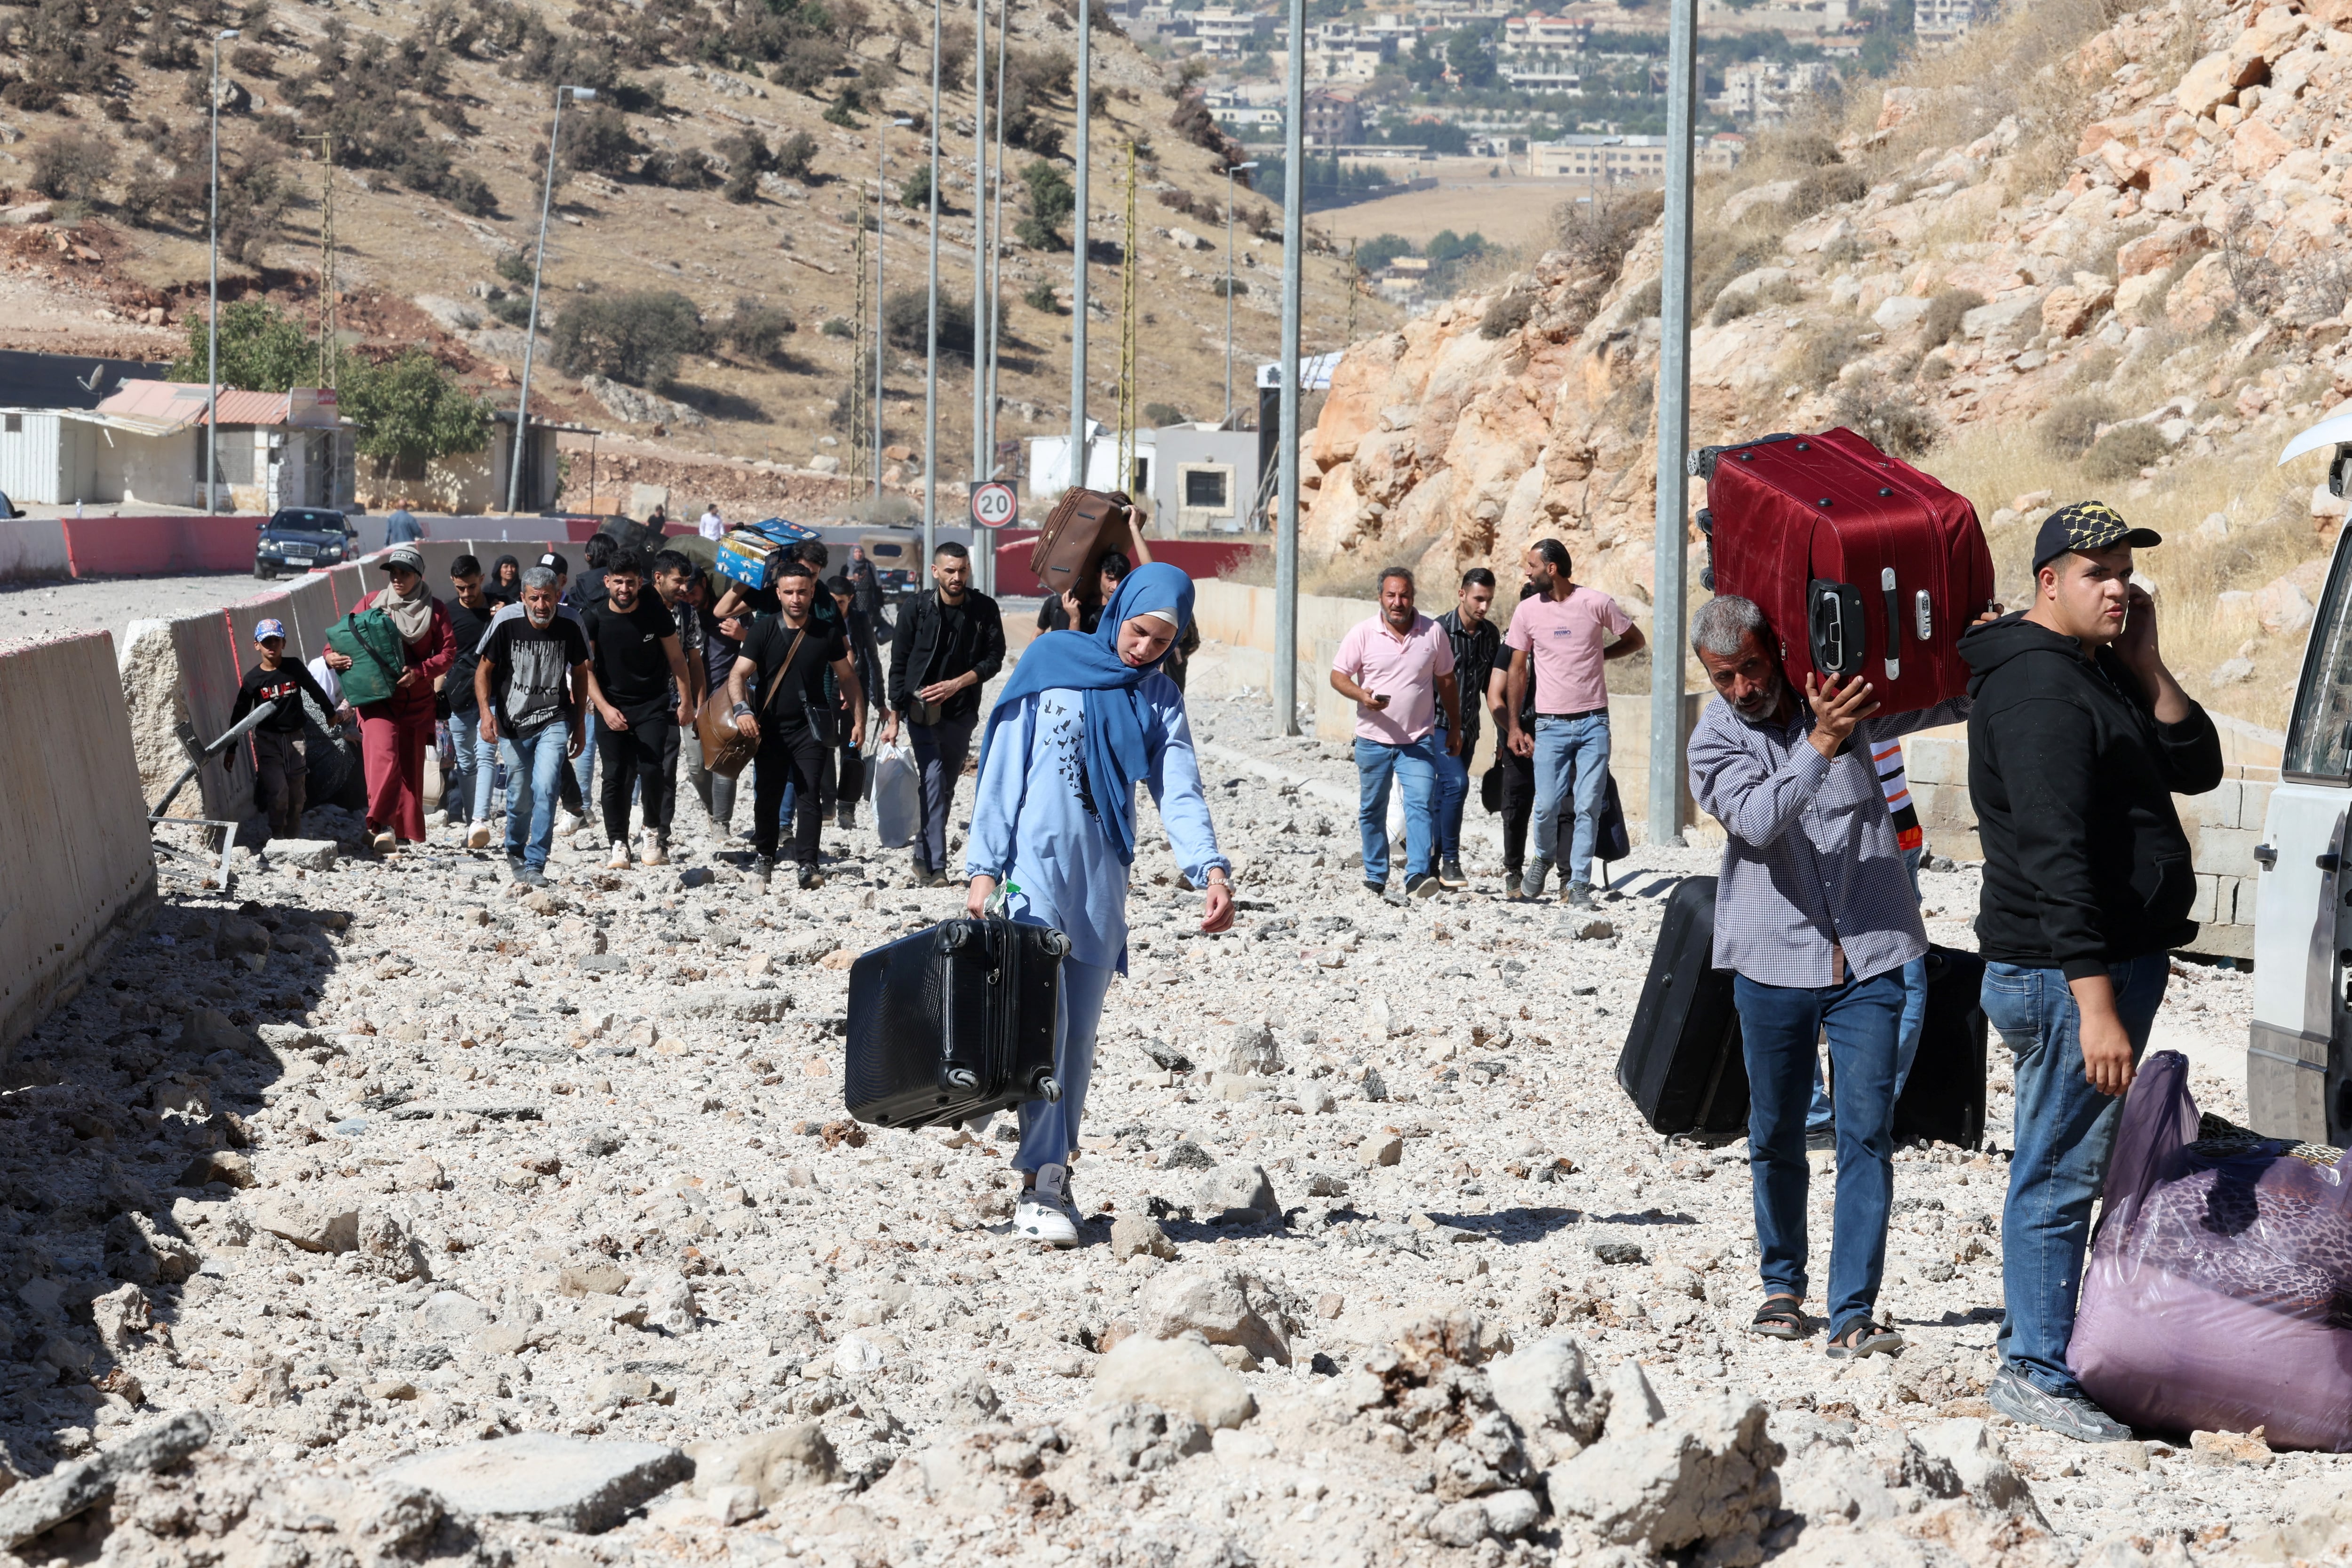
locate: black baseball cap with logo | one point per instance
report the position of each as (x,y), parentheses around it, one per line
(2084,527)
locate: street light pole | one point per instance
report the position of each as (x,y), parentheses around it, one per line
(530,333)
(1078,254)
(881,224)
(1294,260)
(981,304)
(932,356)
(995,245)
(1230,172)
(1667,567)
(212,324)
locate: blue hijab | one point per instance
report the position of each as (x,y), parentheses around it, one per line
(1117,757)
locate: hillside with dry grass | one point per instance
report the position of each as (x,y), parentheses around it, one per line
(724,161)
(2086,253)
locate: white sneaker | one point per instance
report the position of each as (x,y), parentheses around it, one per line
(654,853)
(1040,1216)
(479,839)
(619,859)
(566,824)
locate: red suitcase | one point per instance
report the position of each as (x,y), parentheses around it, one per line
(1864,565)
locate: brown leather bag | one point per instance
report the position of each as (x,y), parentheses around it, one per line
(1083,527)
(726,750)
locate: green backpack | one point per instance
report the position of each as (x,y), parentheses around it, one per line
(368,639)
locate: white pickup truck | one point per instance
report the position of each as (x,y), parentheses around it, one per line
(2299,1056)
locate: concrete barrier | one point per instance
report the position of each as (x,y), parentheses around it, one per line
(76,873)
(148,546)
(312,603)
(32,547)
(179,681)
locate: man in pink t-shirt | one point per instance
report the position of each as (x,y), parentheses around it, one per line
(1561,635)
(1398,669)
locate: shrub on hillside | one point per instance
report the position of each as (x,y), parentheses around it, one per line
(638,337)
(2122,453)
(1945,311)
(1507,313)
(1040,296)
(757,331)
(686,170)
(1595,236)
(1826,351)
(794,155)
(2071,425)
(906,323)
(1889,416)
(71,166)
(1825,187)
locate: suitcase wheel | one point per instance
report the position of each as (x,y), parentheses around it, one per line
(1055,943)
(1049,1088)
(955,936)
(962,1079)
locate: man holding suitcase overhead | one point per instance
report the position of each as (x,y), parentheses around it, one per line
(1559,637)
(2079,742)
(1815,916)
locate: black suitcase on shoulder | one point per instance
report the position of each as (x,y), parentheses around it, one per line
(953,1022)
(1944,1099)
(1682,1063)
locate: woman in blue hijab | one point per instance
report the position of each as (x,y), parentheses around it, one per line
(1085,718)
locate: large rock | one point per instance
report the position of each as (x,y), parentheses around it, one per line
(2207,85)
(726,1003)
(1180,1374)
(1223,1306)
(34,1507)
(571,1483)
(776,1464)
(140,1251)
(1706,1476)
(207,1030)
(1964,1443)
(316,1222)
(451,1314)
(1548,1395)
(1238,1186)
(1251,1050)
(303,854)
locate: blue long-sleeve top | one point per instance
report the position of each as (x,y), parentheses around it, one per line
(1034,825)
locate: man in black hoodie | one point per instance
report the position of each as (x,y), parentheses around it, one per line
(2079,739)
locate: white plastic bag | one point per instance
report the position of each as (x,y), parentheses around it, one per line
(897,790)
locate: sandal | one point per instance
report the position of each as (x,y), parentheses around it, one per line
(1867,1339)
(1781,1317)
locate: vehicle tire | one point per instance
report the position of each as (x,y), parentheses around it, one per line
(263,572)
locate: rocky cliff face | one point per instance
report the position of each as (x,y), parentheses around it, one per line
(2117,271)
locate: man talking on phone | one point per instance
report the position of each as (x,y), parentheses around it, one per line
(1396,668)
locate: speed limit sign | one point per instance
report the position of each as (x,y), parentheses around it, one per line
(993,505)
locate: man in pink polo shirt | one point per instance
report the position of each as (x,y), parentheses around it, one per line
(1398,668)
(1561,634)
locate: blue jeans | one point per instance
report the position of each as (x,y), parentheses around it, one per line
(466,795)
(1572,756)
(583,767)
(1914,1019)
(1453,790)
(1415,766)
(1049,1129)
(1778,1028)
(2066,1131)
(533,765)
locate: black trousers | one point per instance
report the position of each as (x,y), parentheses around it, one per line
(638,758)
(790,754)
(1518,803)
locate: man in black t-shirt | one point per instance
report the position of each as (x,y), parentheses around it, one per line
(465,793)
(531,689)
(634,660)
(281,764)
(947,645)
(787,654)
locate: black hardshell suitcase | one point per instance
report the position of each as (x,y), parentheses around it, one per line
(1944,1099)
(952,1022)
(1681,1062)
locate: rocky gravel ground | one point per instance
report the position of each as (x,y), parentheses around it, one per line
(385,1210)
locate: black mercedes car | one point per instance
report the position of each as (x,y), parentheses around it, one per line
(297,539)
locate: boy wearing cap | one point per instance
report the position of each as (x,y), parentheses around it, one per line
(2079,739)
(280,765)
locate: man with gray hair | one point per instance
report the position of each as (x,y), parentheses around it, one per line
(1814,914)
(531,685)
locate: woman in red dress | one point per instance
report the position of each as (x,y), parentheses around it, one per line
(395,733)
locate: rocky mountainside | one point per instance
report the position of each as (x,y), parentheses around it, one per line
(725,159)
(2119,274)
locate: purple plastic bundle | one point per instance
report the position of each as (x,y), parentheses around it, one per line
(2218,1294)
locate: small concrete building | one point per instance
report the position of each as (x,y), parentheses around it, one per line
(146,444)
(1202,479)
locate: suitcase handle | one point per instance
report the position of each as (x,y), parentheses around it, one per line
(1893,623)
(1829,631)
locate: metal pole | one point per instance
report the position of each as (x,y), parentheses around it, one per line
(1230,173)
(931,371)
(981,302)
(1078,254)
(996,238)
(530,333)
(1674,437)
(1294,262)
(881,222)
(212,320)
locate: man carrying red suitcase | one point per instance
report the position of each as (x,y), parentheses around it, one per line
(1560,638)
(1815,916)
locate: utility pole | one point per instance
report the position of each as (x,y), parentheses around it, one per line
(328,358)
(530,333)
(1078,252)
(1294,263)
(982,305)
(1125,466)
(995,250)
(860,417)
(1231,169)
(1666,592)
(931,344)
(211,319)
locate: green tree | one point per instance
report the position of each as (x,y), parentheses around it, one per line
(410,412)
(1051,202)
(261,349)
(917,190)
(1379,250)
(637,337)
